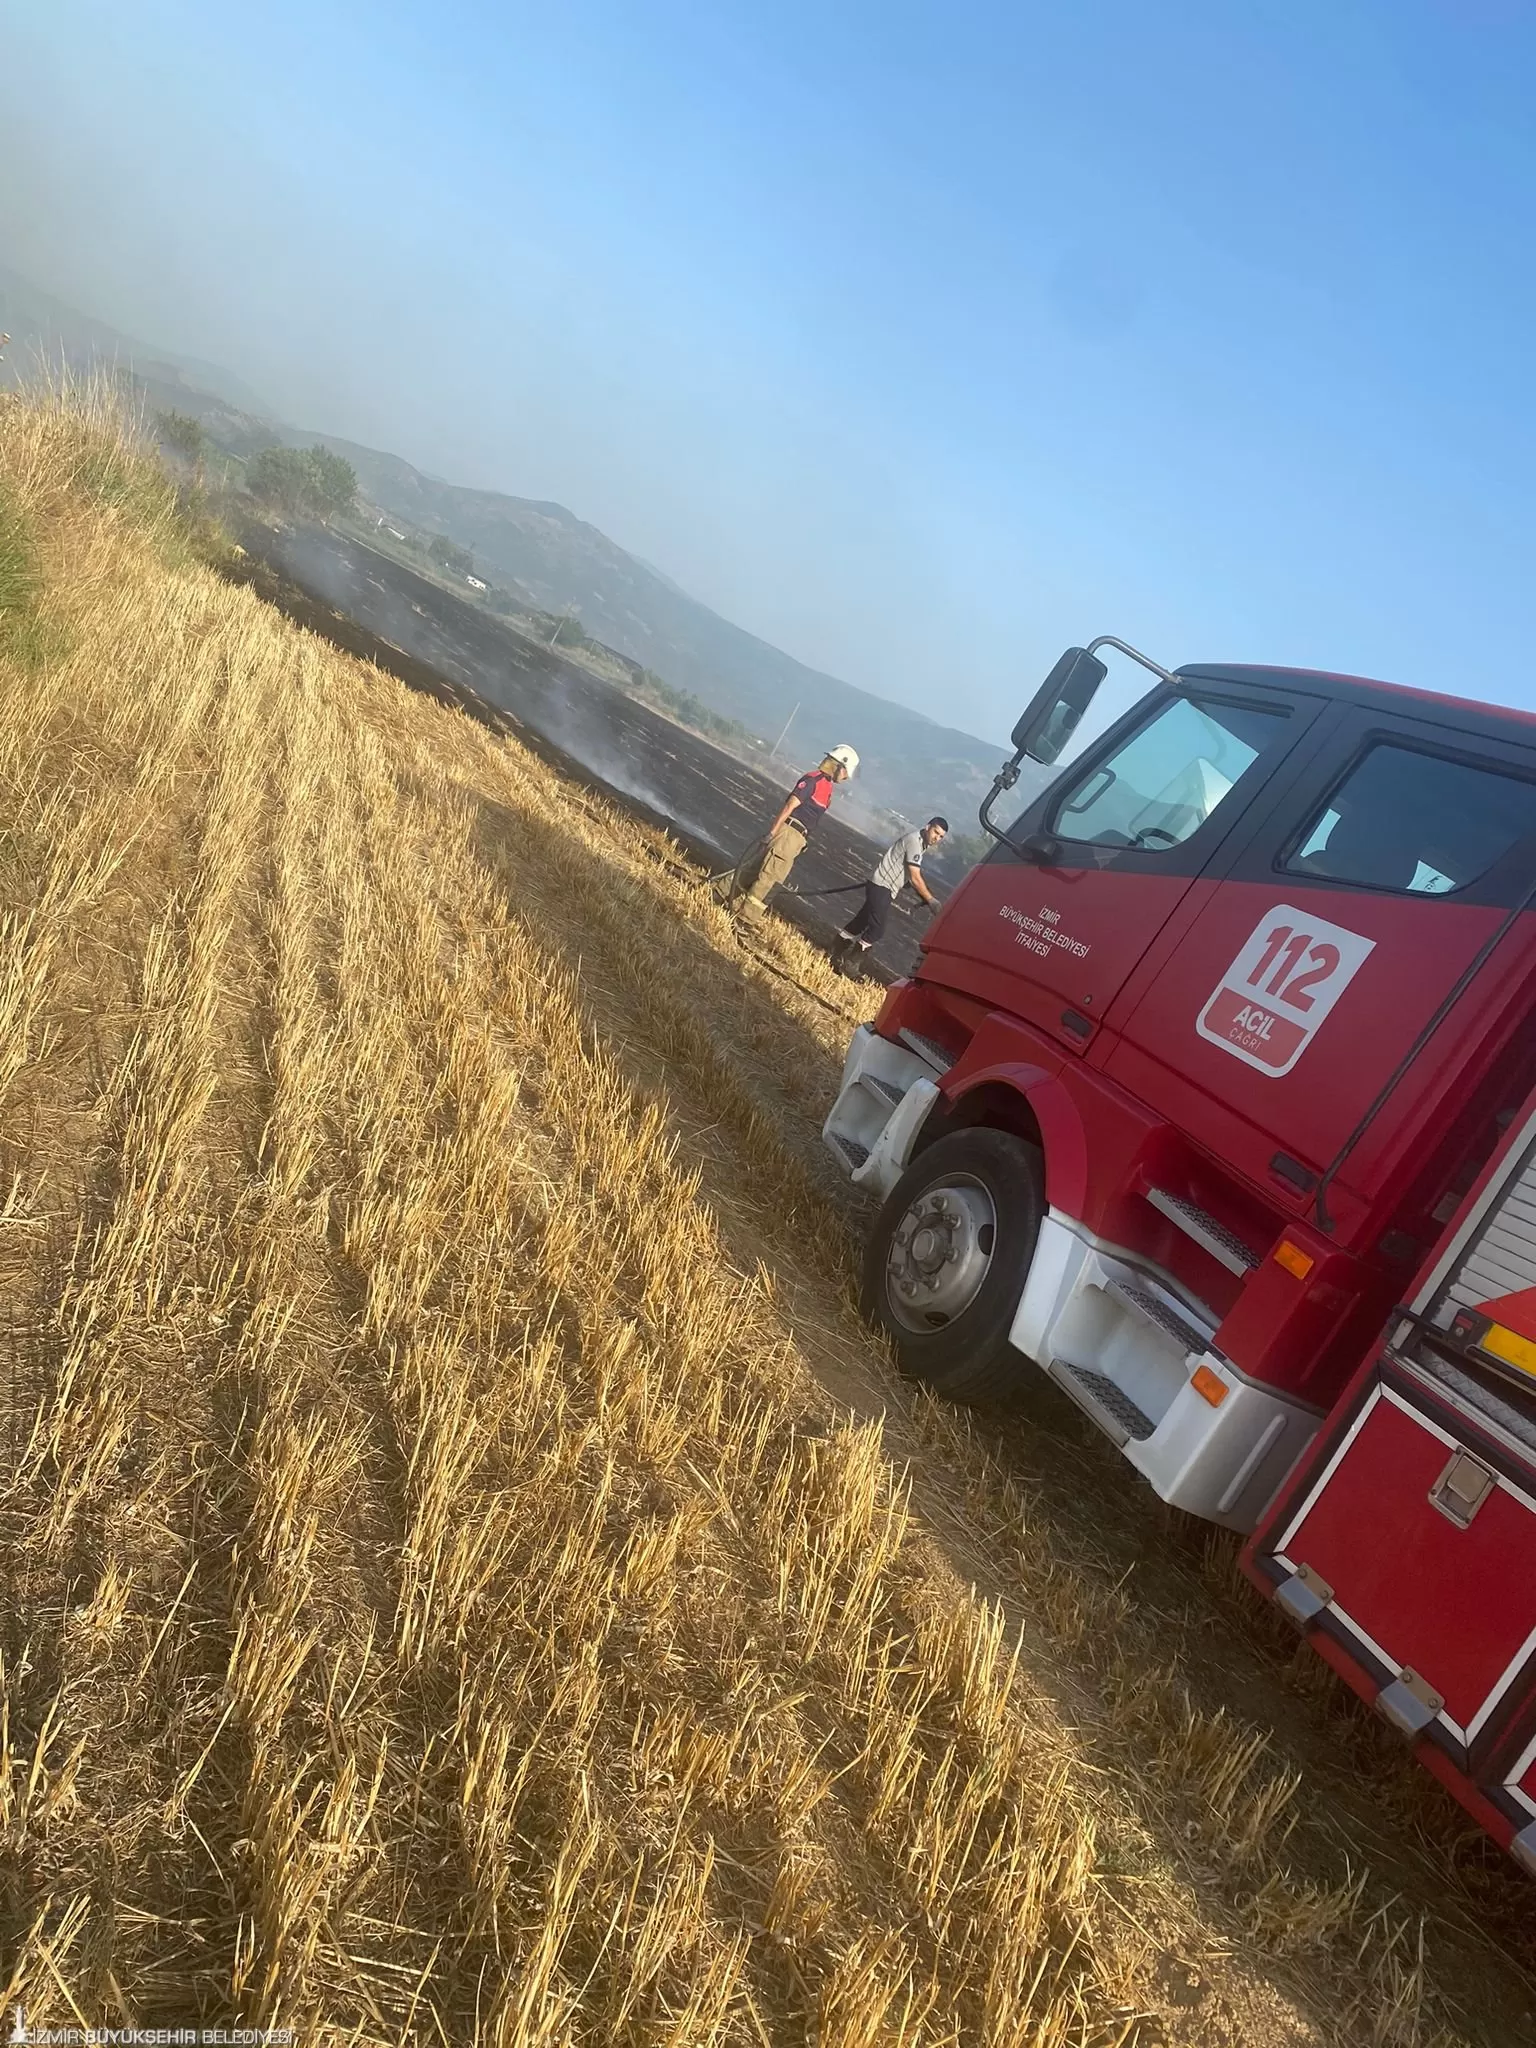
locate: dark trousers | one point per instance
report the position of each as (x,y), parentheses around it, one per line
(869,921)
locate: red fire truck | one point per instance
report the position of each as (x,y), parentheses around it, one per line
(1216,1068)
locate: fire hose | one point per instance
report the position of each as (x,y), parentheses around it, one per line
(786,888)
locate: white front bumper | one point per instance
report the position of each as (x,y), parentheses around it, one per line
(886,1092)
(1223,1461)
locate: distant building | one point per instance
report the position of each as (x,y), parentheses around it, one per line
(475,583)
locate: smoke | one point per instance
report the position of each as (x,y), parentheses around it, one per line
(574,729)
(360,585)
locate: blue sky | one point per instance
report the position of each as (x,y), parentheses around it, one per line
(921,340)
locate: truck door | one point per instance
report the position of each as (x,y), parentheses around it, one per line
(1112,848)
(1302,973)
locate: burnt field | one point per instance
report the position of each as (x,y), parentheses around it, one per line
(713,804)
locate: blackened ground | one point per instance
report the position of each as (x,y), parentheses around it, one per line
(713,804)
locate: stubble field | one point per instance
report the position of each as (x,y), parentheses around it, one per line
(468,1576)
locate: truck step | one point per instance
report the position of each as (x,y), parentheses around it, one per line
(850,1149)
(939,1057)
(1151,1310)
(1103,1394)
(1223,1245)
(886,1091)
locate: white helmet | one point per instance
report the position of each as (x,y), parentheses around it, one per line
(845,755)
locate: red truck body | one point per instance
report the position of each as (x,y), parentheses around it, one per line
(1199,1068)
(1404,1543)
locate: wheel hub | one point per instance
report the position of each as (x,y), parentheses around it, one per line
(941,1252)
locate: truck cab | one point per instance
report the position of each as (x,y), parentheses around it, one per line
(1200,1059)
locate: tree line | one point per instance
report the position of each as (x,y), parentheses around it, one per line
(305,483)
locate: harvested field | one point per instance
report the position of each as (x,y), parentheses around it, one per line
(469,1577)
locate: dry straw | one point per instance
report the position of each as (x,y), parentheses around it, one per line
(444,1603)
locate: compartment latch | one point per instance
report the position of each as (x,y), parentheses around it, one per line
(1461,1489)
(1410,1703)
(1303,1596)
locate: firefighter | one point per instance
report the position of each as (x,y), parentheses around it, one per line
(899,867)
(769,862)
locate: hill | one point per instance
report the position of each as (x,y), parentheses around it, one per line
(44,329)
(911,764)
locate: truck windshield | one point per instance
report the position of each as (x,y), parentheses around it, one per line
(1163,781)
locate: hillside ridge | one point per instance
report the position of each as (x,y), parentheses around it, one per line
(644,614)
(912,764)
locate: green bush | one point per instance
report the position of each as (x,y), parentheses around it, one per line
(335,480)
(280,477)
(182,434)
(303,482)
(568,632)
(960,852)
(448,555)
(693,711)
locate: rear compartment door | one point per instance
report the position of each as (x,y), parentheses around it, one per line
(1054,938)
(1408,1534)
(1303,969)
(1425,1552)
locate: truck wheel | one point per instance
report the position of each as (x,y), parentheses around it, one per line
(946,1260)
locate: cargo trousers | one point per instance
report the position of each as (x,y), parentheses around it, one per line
(764,869)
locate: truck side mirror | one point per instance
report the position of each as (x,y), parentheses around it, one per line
(1049,723)
(1054,715)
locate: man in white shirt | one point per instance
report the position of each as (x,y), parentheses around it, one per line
(899,867)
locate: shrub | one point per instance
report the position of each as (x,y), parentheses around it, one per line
(448,555)
(302,481)
(335,480)
(182,434)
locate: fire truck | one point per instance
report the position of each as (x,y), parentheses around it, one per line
(1213,1098)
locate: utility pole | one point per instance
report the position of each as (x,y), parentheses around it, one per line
(564,620)
(773,752)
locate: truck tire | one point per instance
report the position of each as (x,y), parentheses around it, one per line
(946,1260)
